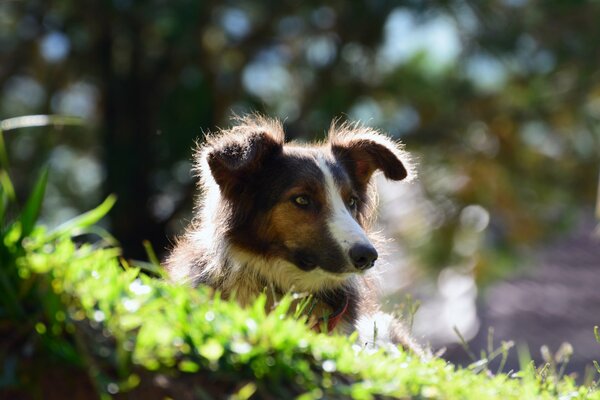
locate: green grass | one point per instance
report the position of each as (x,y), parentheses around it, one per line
(77,321)
(124,326)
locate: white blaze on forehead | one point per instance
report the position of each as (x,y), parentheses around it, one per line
(342,226)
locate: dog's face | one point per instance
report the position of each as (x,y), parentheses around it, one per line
(305,205)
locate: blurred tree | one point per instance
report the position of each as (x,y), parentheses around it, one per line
(500,98)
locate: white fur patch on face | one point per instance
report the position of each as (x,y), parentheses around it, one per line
(344,229)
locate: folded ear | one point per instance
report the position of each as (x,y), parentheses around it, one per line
(363,151)
(233,155)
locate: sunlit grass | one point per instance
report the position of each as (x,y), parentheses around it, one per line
(82,306)
(162,327)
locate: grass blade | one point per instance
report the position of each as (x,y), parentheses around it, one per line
(3,153)
(84,220)
(33,121)
(7,195)
(32,208)
(153,266)
(147,267)
(151,253)
(7,186)
(464,344)
(524,357)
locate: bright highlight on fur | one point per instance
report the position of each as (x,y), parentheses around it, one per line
(291,217)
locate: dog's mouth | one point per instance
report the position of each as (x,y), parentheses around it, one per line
(309,262)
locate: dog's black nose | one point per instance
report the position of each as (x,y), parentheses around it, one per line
(363,256)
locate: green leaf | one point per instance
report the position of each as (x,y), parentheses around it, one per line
(3,206)
(84,220)
(151,253)
(33,121)
(7,186)
(211,350)
(3,153)
(148,268)
(7,194)
(30,213)
(245,392)
(188,366)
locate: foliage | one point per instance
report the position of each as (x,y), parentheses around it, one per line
(80,307)
(499,100)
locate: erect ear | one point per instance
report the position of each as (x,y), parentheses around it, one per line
(363,151)
(232,156)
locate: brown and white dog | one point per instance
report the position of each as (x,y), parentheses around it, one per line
(292,217)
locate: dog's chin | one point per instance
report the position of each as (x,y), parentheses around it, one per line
(338,276)
(320,279)
(318,272)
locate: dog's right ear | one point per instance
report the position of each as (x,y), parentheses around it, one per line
(234,155)
(363,150)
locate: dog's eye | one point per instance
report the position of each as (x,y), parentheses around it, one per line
(302,201)
(353,202)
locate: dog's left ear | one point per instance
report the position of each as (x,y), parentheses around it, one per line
(363,151)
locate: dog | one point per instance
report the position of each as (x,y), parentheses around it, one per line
(291,217)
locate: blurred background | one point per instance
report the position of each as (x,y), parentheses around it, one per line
(499,101)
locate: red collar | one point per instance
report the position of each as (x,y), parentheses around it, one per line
(333,319)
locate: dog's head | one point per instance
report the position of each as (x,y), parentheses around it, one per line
(306,205)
